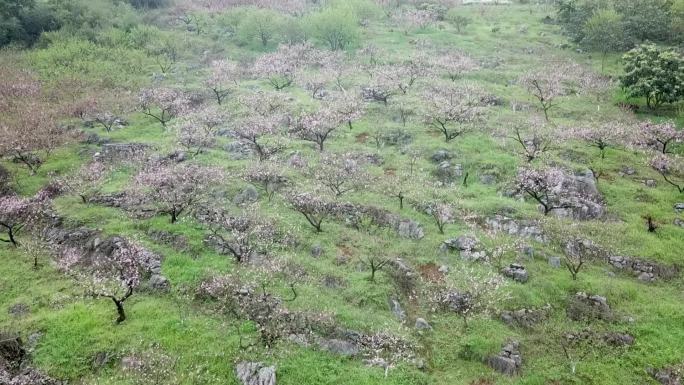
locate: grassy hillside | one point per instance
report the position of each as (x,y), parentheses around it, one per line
(187,339)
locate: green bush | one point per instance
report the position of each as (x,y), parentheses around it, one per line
(338,29)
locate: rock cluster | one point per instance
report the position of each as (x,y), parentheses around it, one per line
(580,194)
(508,361)
(255,373)
(644,270)
(13,364)
(515,227)
(468,247)
(516,272)
(526,318)
(583,306)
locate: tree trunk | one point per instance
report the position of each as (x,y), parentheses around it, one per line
(119,310)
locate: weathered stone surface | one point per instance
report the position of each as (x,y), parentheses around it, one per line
(441,155)
(410,229)
(645,271)
(666,376)
(341,347)
(508,361)
(19,309)
(583,306)
(316,251)
(679,207)
(449,173)
(526,318)
(468,247)
(555,262)
(516,272)
(255,373)
(159,282)
(123,151)
(678,222)
(248,195)
(580,193)
(422,324)
(396,309)
(515,227)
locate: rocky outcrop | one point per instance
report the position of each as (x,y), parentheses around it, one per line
(585,307)
(579,193)
(123,152)
(645,271)
(468,247)
(516,272)
(255,373)
(667,376)
(13,364)
(515,227)
(526,318)
(508,361)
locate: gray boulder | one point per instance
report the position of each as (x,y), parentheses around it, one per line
(248,195)
(396,309)
(341,347)
(255,373)
(508,361)
(410,229)
(422,324)
(516,272)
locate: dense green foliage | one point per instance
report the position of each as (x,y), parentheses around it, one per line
(655,74)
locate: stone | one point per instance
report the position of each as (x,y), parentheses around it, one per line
(525,318)
(11,349)
(248,195)
(650,183)
(238,150)
(316,250)
(444,269)
(583,307)
(678,222)
(679,207)
(332,282)
(255,373)
(488,179)
(580,194)
(178,156)
(449,173)
(627,170)
(341,347)
(159,283)
(422,324)
(645,271)
(123,151)
(516,272)
(666,376)
(514,227)
(508,361)
(178,241)
(555,262)
(441,155)
(19,310)
(410,229)
(396,309)
(101,359)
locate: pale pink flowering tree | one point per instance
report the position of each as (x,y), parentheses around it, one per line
(262,104)
(415,18)
(671,168)
(223,78)
(453,110)
(540,185)
(453,64)
(601,136)
(243,235)
(658,136)
(162,103)
(176,189)
(349,108)
(87,181)
(281,67)
(443,213)
(252,130)
(14,213)
(340,173)
(197,131)
(535,138)
(316,127)
(268,176)
(473,294)
(313,207)
(545,85)
(115,277)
